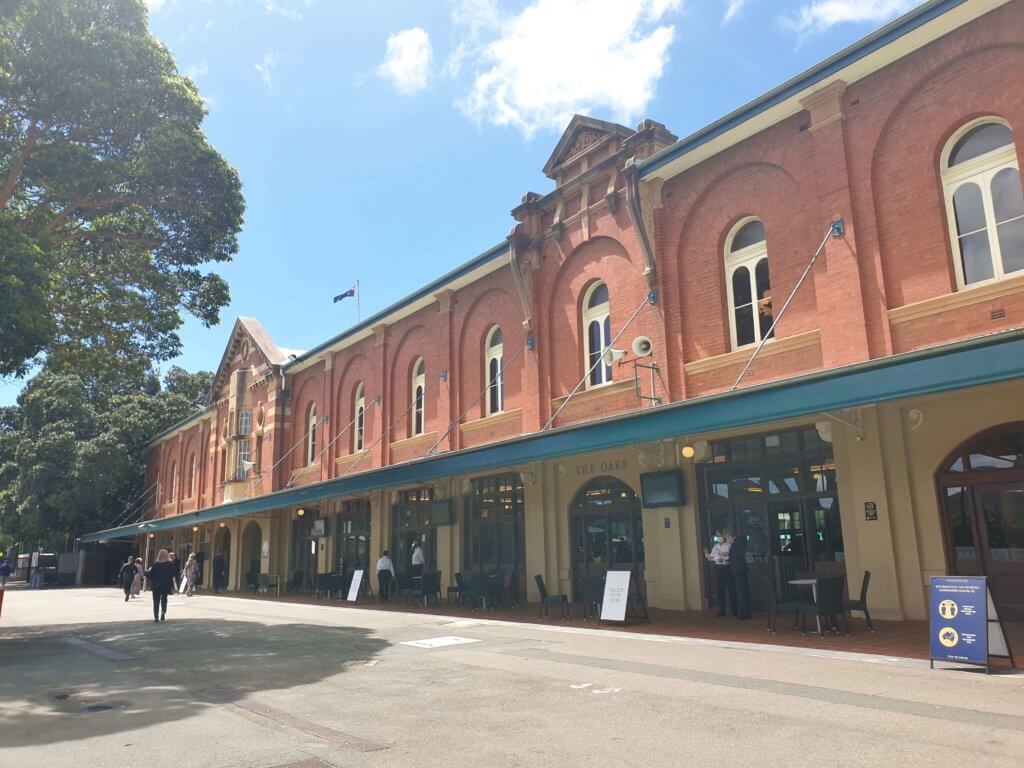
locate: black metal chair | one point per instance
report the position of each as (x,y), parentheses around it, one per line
(455,589)
(475,588)
(780,595)
(861,603)
(827,607)
(545,600)
(593,595)
(426,587)
(294,582)
(252,583)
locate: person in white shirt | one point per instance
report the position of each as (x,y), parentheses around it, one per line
(719,557)
(385,576)
(417,556)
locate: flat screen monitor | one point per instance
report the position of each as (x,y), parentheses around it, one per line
(663,489)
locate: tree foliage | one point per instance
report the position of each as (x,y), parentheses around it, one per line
(111,200)
(72,452)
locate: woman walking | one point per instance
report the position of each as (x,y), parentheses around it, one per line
(161,582)
(191,574)
(137,581)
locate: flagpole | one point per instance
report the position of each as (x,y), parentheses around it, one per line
(358,312)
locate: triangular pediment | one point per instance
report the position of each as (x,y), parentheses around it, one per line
(582,135)
(248,346)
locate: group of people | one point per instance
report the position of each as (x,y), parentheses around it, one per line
(729,556)
(165,576)
(386,579)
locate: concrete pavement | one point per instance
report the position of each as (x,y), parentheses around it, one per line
(87,680)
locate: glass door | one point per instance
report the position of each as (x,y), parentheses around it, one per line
(1000,523)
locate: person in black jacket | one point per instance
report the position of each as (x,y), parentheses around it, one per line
(126,577)
(161,582)
(220,573)
(738,566)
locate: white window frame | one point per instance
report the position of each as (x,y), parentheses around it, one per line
(174,480)
(600,314)
(242,454)
(419,397)
(244,422)
(980,171)
(748,257)
(193,470)
(495,354)
(311,434)
(359,432)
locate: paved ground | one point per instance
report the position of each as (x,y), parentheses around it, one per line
(86,680)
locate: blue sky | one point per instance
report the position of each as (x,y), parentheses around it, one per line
(386,141)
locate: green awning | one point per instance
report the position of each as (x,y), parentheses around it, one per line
(991,359)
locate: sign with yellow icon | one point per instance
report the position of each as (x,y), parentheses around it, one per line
(962,623)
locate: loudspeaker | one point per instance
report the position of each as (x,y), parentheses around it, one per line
(642,346)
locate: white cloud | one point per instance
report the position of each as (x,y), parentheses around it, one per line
(733,10)
(195,71)
(820,15)
(154,5)
(266,68)
(536,68)
(285,10)
(407,60)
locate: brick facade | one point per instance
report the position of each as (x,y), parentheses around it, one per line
(868,152)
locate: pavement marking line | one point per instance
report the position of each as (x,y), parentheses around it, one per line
(440,642)
(99,650)
(333,735)
(986,720)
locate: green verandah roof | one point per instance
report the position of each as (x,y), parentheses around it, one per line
(987,360)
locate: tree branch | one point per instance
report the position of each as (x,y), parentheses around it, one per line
(107,234)
(19,163)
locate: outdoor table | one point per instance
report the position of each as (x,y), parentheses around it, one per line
(813,584)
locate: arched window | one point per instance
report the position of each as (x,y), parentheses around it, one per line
(173,490)
(749,285)
(984,202)
(310,434)
(193,470)
(495,375)
(419,377)
(360,418)
(597,325)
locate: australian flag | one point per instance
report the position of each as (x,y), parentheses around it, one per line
(347,294)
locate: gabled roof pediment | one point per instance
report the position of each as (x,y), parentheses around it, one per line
(580,135)
(248,335)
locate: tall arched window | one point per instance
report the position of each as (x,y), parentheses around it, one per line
(419,378)
(360,418)
(193,471)
(310,434)
(495,375)
(749,285)
(984,202)
(597,324)
(172,492)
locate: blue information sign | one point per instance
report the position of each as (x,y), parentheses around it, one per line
(958,619)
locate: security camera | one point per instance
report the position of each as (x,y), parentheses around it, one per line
(642,346)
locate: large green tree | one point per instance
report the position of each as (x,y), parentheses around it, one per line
(112,203)
(72,451)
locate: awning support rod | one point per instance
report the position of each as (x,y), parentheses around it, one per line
(836,229)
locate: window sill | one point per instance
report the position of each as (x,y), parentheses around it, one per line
(963,297)
(414,439)
(597,391)
(741,356)
(491,421)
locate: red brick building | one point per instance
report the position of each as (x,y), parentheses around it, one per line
(852,240)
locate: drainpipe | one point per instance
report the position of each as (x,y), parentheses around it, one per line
(636,215)
(520,283)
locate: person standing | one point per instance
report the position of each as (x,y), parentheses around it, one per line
(173,560)
(719,557)
(385,576)
(738,569)
(161,582)
(137,581)
(126,577)
(418,561)
(5,571)
(220,571)
(191,574)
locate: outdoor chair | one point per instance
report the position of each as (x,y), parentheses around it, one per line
(861,604)
(294,582)
(776,602)
(403,586)
(327,585)
(474,590)
(593,595)
(424,588)
(252,583)
(455,589)
(827,606)
(264,583)
(545,600)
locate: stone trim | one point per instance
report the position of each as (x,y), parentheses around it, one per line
(493,420)
(962,298)
(740,356)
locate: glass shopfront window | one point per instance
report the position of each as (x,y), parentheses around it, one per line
(352,537)
(779,489)
(411,521)
(494,530)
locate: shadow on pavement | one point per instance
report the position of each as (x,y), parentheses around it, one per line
(54,691)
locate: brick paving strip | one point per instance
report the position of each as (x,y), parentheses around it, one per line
(231,698)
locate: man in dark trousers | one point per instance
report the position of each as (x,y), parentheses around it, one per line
(220,572)
(738,566)
(127,577)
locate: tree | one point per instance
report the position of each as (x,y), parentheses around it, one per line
(194,387)
(72,452)
(111,199)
